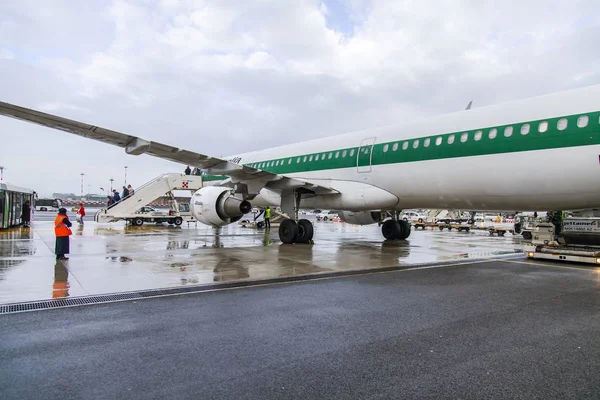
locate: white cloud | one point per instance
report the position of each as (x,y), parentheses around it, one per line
(6,55)
(227,76)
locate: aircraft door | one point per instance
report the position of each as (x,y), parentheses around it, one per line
(365,155)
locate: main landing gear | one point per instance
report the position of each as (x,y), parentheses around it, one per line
(393,229)
(291,231)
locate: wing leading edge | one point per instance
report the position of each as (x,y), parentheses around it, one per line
(254,179)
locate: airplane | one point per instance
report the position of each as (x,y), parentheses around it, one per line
(537,153)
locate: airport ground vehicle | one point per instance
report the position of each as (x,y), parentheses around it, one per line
(579,241)
(152,214)
(47,204)
(12,199)
(413,216)
(525,223)
(327,215)
(135,210)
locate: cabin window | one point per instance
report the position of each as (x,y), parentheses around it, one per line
(493,133)
(464,137)
(395,146)
(415,144)
(298,160)
(277,163)
(450,139)
(351,152)
(426,142)
(525,129)
(337,154)
(310,158)
(386,148)
(478,135)
(305,158)
(289,161)
(323,156)
(404,145)
(344,154)
(508,131)
(330,155)
(543,127)
(438,140)
(582,121)
(562,124)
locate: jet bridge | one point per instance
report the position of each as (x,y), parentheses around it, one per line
(126,208)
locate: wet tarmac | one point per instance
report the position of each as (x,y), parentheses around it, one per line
(112,258)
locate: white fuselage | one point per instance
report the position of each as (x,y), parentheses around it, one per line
(536,169)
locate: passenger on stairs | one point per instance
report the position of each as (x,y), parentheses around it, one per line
(125,192)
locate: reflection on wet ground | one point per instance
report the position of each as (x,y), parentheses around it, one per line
(117,258)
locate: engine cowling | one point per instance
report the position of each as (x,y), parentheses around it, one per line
(217,206)
(360,217)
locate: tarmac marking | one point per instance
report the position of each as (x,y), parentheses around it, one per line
(589,269)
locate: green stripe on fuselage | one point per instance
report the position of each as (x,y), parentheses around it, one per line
(553,138)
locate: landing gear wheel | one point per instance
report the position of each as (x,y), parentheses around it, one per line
(178,221)
(405,230)
(138,222)
(288,231)
(305,231)
(391,229)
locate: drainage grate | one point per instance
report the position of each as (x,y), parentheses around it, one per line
(75,301)
(145,294)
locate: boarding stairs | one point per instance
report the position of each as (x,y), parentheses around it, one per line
(146,194)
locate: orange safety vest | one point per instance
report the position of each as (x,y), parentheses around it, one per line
(61,229)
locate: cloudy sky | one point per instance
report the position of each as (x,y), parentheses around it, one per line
(225,76)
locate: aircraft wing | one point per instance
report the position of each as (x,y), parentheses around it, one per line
(135,146)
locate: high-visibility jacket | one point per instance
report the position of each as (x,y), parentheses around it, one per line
(268,213)
(60,229)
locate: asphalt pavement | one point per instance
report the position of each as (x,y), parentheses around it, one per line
(495,329)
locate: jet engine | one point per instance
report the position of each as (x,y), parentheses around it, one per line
(361,217)
(217,206)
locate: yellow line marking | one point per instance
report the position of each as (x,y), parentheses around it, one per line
(589,269)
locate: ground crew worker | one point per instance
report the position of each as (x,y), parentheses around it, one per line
(62,230)
(267,218)
(556,217)
(81,213)
(26,215)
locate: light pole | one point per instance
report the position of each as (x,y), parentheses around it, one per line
(1,173)
(88,194)
(126,175)
(81,194)
(111,181)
